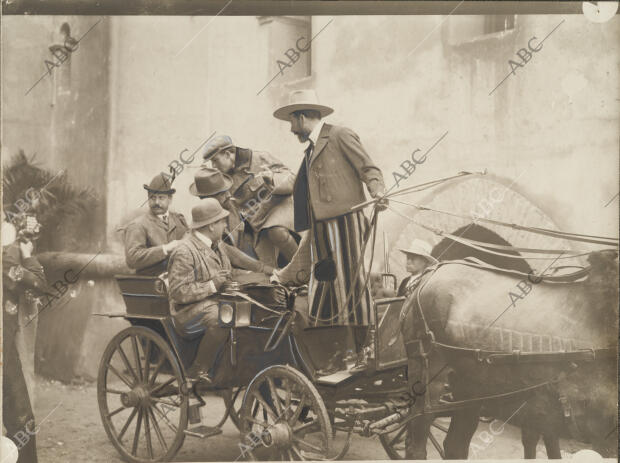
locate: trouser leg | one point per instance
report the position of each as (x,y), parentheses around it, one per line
(18,418)
(282,239)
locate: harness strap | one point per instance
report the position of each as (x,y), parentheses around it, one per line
(516,356)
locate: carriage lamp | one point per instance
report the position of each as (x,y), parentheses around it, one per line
(234,314)
(226,314)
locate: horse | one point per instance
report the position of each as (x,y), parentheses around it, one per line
(459,310)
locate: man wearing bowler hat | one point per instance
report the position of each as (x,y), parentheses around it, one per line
(151,237)
(329,183)
(197,270)
(418,259)
(238,237)
(261,187)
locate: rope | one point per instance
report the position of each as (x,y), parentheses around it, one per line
(468,242)
(541,231)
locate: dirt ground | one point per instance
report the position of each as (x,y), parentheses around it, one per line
(71,431)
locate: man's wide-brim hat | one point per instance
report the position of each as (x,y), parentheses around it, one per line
(216,145)
(209,182)
(420,248)
(160,184)
(299,100)
(207,212)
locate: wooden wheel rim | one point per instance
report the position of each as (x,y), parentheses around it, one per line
(142,393)
(297,412)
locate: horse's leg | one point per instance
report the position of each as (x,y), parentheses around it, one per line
(529,439)
(463,425)
(552,444)
(417,436)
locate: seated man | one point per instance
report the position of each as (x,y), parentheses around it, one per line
(263,188)
(198,268)
(151,237)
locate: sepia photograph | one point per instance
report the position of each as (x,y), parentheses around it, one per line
(242,230)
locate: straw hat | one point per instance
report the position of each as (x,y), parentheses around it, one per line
(299,100)
(420,248)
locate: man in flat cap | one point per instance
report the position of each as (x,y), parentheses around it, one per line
(262,188)
(152,236)
(330,182)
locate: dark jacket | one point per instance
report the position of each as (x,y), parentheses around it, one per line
(144,240)
(331,184)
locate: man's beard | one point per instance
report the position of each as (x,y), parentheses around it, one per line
(302,137)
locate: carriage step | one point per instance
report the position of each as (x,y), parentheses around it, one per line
(334,378)
(203,431)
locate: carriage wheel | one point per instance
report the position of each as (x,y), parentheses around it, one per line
(284,417)
(233,399)
(139,390)
(394,442)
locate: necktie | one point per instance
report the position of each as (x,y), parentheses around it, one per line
(164,219)
(309,150)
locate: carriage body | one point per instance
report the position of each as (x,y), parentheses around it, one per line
(144,373)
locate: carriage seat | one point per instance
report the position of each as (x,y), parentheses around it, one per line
(144,296)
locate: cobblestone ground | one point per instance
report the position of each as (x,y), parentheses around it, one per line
(73,432)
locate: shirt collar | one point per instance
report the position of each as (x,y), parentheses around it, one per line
(316,131)
(163,216)
(205,239)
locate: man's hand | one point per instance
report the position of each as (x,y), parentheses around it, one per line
(382,204)
(169,247)
(267,175)
(220,278)
(26,248)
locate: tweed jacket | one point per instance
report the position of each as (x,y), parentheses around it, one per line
(275,203)
(191,267)
(330,183)
(144,240)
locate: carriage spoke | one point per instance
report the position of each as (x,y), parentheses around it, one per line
(113,391)
(255,409)
(298,410)
(127,364)
(136,436)
(147,433)
(127,423)
(436,445)
(266,406)
(264,424)
(165,402)
(118,410)
(136,353)
(163,385)
(308,446)
(158,432)
(306,426)
(156,370)
(274,396)
(398,434)
(288,393)
(166,420)
(147,354)
(122,377)
(440,427)
(295,450)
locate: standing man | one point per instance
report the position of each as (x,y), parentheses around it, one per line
(22,281)
(418,259)
(329,183)
(197,270)
(151,237)
(262,187)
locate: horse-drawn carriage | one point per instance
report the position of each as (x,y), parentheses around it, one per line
(289,389)
(294,397)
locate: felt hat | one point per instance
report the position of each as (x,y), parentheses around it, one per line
(215,145)
(160,184)
(299,100)
(207,212)
(209,182)
(420,248)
